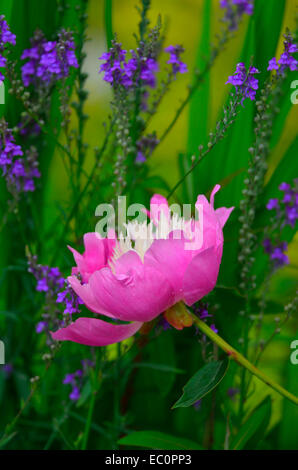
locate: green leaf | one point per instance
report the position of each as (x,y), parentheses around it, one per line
(254,428)
(288,425)
(205,380)
(108,22)
(158,440)
(160,367)
(268,23)
(7,439)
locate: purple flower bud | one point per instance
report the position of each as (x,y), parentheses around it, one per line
(272,204)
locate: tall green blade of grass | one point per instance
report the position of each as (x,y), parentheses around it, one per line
(108,10)
(268,23)
(199,107)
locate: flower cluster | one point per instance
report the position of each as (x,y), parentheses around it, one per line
(245,82)
(29,128)
(48,61)
(235,9)
(128,72)
(76,379)
(286,59)
(286,213)
(277,253)
(6,37)
(18,172)
(287,208)
(70,299)
(177,65)
(50,281)
(145,147)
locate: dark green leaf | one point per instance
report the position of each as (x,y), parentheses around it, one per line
(158,440)
(253,430)
(205,380)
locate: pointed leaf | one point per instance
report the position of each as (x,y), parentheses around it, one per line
(254,428)
(205,380)
(158,440)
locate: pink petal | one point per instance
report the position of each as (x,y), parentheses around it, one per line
(94,332)
(212,233)
(222,214)
(86,294)
(171,259)
(201,275)
(136,292)
(96,254)
(214,191)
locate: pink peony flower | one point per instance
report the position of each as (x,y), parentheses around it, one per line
(136,282)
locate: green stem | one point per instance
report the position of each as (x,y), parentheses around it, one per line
(117,393)
(240,359)
(94,379)
(89,421)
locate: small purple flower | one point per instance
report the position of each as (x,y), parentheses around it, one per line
(68,379)
(70,299)
(177,65)
(75,394)
(213,328)
(272,204)
(41,326)
(140,158)
(244,81)
(235,9)
(118,70)
(19,173)
(77,378)
(286,60)
(197,405)
(48,61)
(202,312)
(42,285)
(6,37)
(272,64)
(145,147)
(278,255)
(164,323)
(8,370)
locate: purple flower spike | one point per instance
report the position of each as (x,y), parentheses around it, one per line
(6,37)
(118,70)
(19,173)
(177,65)
(235,9)
(48,61)
(286,60)
(244,81)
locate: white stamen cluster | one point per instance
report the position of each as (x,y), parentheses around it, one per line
(140,235)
